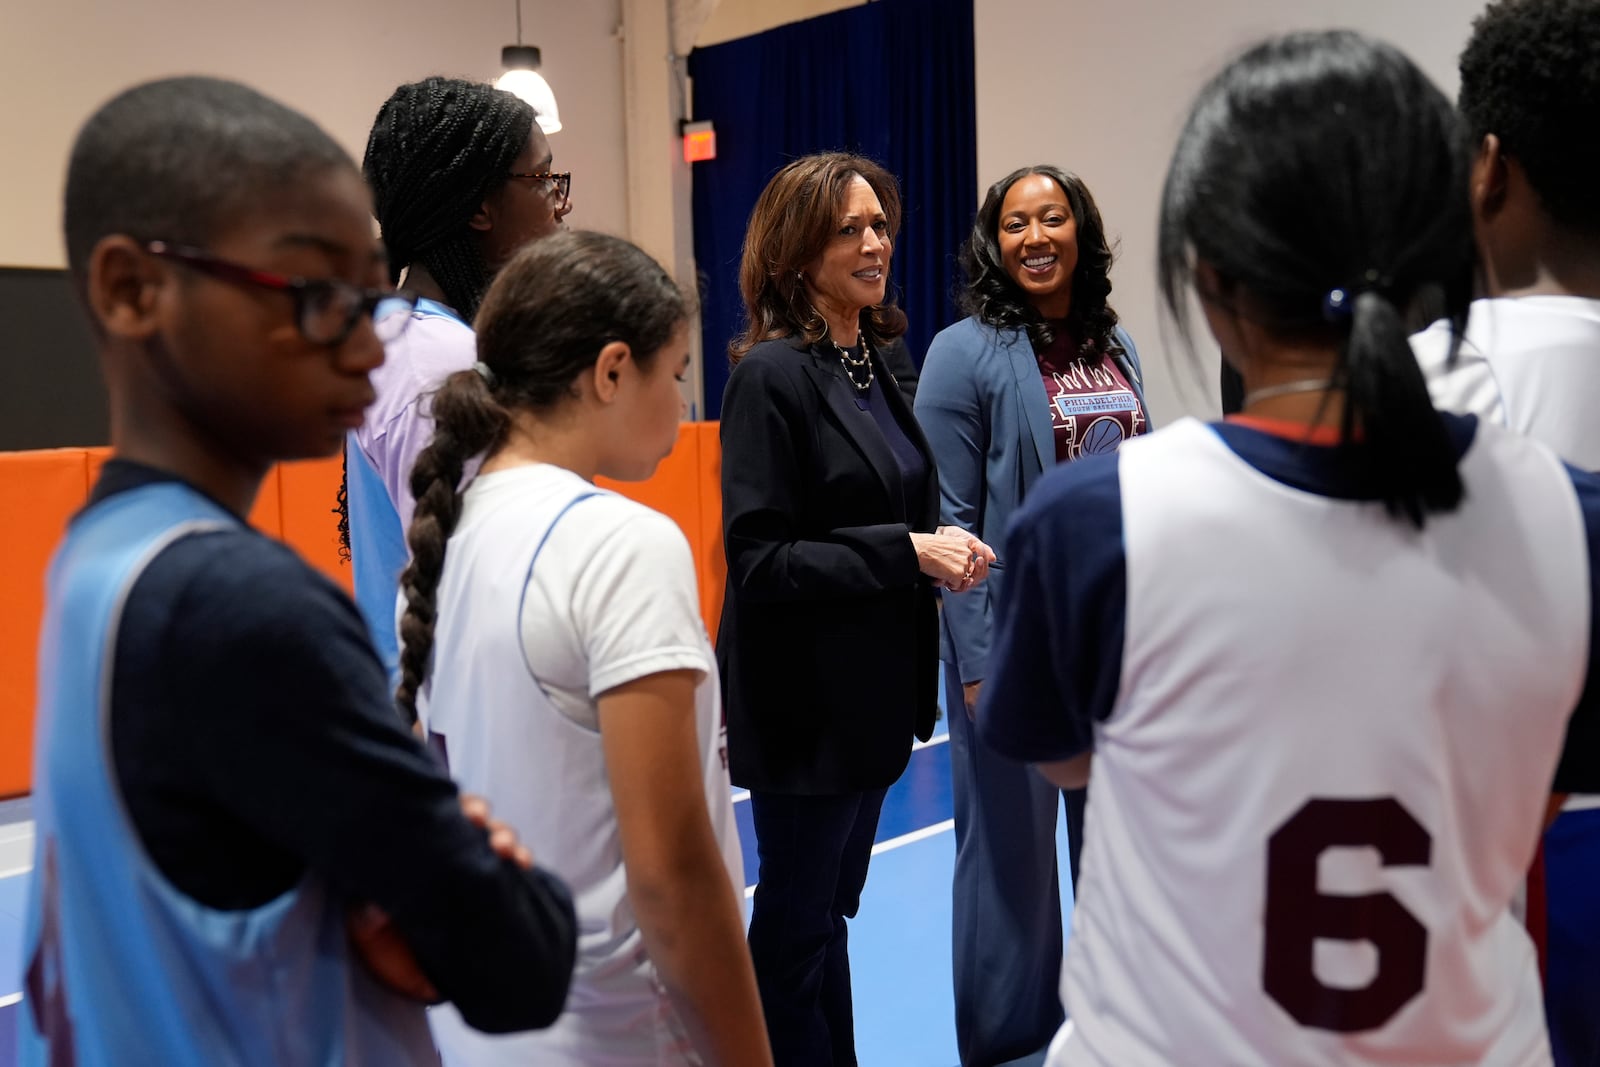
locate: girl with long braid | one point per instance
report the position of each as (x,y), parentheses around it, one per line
(571,681)
(461,178)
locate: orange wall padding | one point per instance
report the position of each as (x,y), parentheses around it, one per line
(41,490)
(308,503)
(687,488)
(296,504)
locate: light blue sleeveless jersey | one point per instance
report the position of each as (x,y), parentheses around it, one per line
(378,550)
(123,968)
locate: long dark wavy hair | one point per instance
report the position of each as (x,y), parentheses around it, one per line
(997,300)
(792,222)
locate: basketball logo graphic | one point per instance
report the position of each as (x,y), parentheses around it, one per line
(1104,434)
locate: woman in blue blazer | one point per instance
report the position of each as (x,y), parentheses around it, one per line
(1039,374)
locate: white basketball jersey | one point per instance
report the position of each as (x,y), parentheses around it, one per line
(1530,363)
(553,593)
(1325,770)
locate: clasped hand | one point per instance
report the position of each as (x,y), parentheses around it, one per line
(953,558)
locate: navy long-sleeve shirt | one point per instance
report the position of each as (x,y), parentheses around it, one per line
(254,741)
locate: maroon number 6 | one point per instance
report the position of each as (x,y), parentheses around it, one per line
(1299,914)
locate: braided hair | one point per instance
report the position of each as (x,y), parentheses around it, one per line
(544,321)
(439,147)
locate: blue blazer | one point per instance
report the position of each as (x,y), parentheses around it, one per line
(983,408)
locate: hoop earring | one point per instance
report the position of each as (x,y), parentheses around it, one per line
(811,319)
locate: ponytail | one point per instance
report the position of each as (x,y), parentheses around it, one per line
(1406,450)
(468,421)
(1323,179)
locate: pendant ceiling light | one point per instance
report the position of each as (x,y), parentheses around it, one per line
(522,78)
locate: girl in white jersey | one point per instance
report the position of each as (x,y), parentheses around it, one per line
(571,678)
(1323,657)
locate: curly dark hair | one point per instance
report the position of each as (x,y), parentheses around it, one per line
(995,298)
(1530,75)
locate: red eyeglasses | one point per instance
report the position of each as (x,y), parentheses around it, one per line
(326,310)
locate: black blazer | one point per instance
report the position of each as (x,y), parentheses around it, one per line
(829,643)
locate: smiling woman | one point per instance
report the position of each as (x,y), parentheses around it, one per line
(852,271)
(827,643)
(1040,374)
(1038,240)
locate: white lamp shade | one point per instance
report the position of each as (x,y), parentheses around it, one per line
(531,87)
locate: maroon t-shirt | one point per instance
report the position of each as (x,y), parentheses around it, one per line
(1093,409)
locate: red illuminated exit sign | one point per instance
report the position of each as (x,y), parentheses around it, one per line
(699,142)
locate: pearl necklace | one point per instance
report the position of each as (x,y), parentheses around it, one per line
(854,364)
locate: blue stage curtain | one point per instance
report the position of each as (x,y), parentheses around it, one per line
(891,80)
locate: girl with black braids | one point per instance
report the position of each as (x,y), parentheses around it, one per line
(554,647)
(461,179)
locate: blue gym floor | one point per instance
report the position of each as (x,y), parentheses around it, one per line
(899,945)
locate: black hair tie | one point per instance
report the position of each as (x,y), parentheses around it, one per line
(1340,302)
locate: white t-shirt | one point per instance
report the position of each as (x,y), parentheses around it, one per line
(554,592)
(1530,363)
(398,425)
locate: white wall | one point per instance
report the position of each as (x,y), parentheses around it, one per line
(1099,88)
(336,60)
(731,19)
(1103,90)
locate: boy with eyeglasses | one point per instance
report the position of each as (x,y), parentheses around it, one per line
(461,175)
(242,855)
